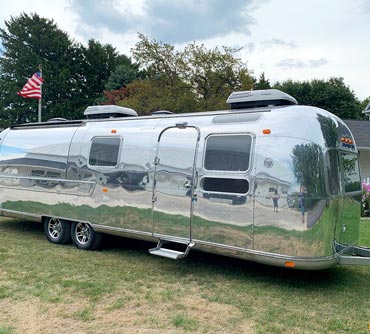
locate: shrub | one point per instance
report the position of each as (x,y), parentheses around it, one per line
(365,207)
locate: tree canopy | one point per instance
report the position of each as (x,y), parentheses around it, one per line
(27,42)
(74,75)
(125,72)
(192,79)
(262,82)
(332,95)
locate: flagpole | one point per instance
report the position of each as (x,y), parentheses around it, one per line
(39,110)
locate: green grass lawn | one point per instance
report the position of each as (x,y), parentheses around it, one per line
(364,237)
(46,288)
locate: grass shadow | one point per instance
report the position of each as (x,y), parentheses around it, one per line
(201,263)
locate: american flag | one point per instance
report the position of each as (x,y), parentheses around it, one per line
(32,89)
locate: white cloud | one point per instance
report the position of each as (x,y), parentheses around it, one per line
(292,63)
(301,40)
(171,22)
(276,42)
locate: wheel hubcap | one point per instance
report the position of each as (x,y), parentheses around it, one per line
(54,228)
(83,233)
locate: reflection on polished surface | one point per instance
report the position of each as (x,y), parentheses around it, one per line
(217,179)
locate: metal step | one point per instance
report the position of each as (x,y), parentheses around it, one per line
(170,253)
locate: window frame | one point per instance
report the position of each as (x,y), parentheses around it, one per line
(252,137)
(118,153)
(343,173)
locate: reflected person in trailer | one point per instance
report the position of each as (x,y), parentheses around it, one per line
(275,198)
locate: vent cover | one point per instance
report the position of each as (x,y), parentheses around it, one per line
(161,112)
(109,111)
(259,98)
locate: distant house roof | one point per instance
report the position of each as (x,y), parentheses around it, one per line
(361,132)
(367,109)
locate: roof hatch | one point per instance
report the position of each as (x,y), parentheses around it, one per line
(259,98)
(109,111)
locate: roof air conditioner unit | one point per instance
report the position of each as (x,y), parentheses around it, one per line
(259,98)
(109,111)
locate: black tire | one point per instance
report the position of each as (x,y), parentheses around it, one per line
(84,236)
(57,231)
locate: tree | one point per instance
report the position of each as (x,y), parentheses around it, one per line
(125,72)
(74,75)
(29,40)
(332,95)
(193,79)
(262,83)
(146,96)
(114,96)
(365,102)
(104,68)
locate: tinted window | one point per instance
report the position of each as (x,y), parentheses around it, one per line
(104,151)
(228,153)
(223,185)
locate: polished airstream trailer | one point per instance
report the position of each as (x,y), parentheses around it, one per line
(267,180)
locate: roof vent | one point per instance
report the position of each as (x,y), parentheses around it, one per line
(161,112)
(109,111)
(57,119)
(259,98)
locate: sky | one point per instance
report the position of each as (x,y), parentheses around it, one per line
(285,39)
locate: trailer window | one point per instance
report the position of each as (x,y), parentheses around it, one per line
(104,151)
(225,185)
(351,173)
(228,152)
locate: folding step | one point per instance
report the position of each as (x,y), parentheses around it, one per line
(171,253)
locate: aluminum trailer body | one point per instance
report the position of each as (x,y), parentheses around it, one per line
(278,185)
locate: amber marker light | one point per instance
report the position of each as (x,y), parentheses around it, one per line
(105,190)
(266,131)
(289,264)
(113,131)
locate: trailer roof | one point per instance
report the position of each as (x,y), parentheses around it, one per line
(54,124)
(82,122)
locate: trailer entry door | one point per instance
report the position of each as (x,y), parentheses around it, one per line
(175,181)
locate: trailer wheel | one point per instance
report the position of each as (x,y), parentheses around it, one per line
(57,230)
(84,236)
